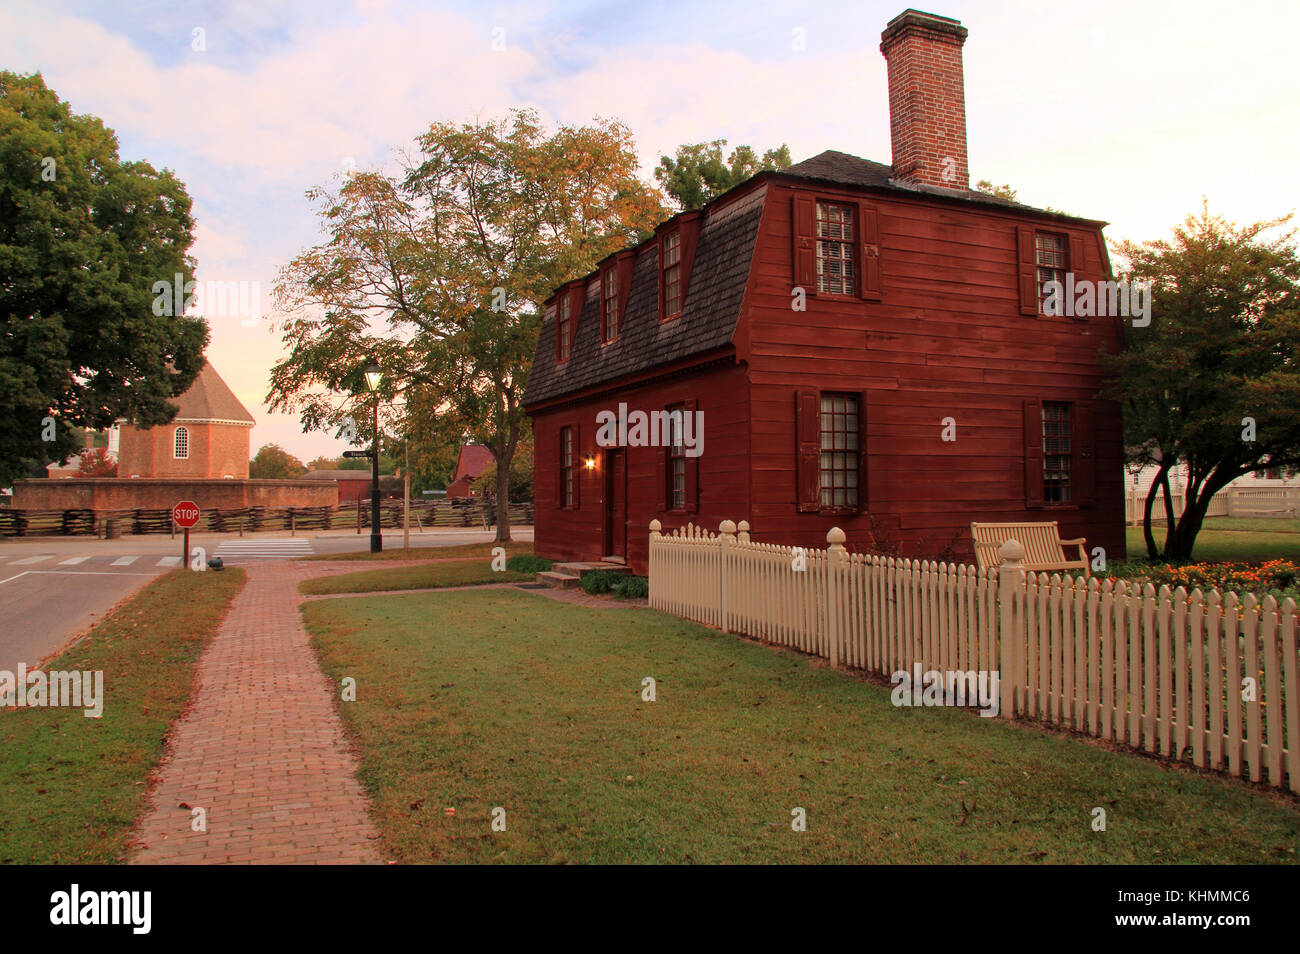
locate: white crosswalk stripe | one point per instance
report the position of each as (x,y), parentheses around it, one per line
(126,560)
(169,561)
(27,561)
(73,561)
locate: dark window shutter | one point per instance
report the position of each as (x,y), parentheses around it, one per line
(578,468)
(804,243)
(1033,454)
(1083,441)
(1075,264)
(869,231)
(693,463)
(808,435)
(1027,270)
(559,468)
(864,497)
(661,475)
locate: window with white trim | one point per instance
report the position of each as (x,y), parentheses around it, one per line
(181,444)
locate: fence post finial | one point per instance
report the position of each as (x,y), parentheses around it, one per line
(835,554)
(743,531)
(1011,635)
(655,527)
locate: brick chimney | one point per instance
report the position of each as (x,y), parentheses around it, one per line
(927,99)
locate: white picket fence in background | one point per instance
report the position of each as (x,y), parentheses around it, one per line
(1230,502)
(1203,678)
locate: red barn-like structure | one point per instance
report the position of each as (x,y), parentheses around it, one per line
(864,345)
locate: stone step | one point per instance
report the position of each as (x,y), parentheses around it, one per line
(568,576)
(559,581)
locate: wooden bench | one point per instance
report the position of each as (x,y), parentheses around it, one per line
(1044,548)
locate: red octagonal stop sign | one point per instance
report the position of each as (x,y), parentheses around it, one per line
(186,514)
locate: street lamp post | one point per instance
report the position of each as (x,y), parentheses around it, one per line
(373,377)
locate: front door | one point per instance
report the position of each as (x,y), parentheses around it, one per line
(616,504)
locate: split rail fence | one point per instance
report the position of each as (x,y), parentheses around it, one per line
(1205,678)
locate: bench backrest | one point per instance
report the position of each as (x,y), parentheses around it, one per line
(1042,543)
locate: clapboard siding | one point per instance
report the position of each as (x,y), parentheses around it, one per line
(945,341)
(724,467)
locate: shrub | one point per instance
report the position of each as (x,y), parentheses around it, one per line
(600,581)
(527,563)
(632,588)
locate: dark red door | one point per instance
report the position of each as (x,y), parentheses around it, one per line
(616,503)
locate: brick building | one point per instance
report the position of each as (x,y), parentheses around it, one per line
(208,438)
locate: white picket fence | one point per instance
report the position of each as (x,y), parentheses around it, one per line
(1230,502)
(1209,679)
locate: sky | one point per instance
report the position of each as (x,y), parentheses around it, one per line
(1129,111)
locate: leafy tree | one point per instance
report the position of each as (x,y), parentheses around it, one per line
(697,173)
(440,276)
(84,236)
(387,465)
(1001,191)
(96,463)
(272,462)
(1214,380)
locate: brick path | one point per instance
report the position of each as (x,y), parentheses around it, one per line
(261,749)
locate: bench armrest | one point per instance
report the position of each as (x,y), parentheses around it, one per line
(1080,541)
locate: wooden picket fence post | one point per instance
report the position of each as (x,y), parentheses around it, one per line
(1011,631)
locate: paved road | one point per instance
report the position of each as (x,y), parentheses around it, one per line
(53,588)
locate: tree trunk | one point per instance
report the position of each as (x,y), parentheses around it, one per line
(503,502)
(1153,552)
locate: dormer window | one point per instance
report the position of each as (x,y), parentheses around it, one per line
(609,313)
(836,248)
(672,273)
(564,326)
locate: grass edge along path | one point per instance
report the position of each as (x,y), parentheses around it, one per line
(72,789)
(451,552)
(494,699)
(419,576)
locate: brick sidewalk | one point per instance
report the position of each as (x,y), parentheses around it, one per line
(261,748)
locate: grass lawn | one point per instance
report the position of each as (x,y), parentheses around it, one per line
(477,700)
(1262,524)
(72,788)
(513,548)
(1229,545)
(419,577)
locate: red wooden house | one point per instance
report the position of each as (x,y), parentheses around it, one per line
(865,344)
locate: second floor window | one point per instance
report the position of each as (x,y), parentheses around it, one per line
(672,273)
(835,249)
(564,325)
(609,306)
(839,451)
(566,467)
(676,451)
(1049,256)
(1057,457)
(181,451)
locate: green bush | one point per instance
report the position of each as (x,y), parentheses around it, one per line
(527,563)
(632,588)
(600,581)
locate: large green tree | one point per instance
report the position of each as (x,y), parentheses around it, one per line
(84,237)
(273,462)
(1214,379)
(439,274)
(697,173)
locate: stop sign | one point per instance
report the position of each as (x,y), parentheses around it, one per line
(186,514)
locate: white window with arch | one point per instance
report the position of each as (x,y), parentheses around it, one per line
(181,448)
